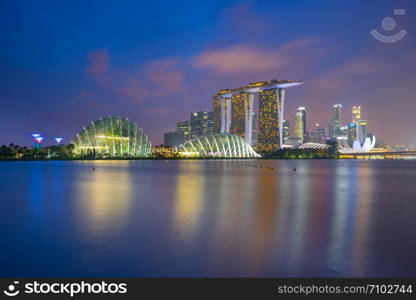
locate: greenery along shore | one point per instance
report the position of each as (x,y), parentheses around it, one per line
(66,152)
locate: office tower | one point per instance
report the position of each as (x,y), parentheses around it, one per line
(184,128)
(352,133)
(286,131)
(356,114)
(336,121)
(300,124)
(318,136)
(362,133)
(173,139)
(268,139)
(357,129)
(201,123)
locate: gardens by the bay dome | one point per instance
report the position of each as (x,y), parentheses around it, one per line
(222,145)
(112,137)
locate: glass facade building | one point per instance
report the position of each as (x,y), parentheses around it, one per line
(300,124)
(218,145)
(336,121)
(202,123)
(112,137)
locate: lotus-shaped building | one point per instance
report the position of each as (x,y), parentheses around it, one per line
(112,137)
(223,145)
(367,145)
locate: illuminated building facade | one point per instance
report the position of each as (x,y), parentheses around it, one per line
(356,113)
(217,111)
(201,123)
(362,133)
(112,137)
(286,131)
(234,108)
(336,122)
(268,139)
(318,136)
(183,128)
(357,129)
(300,124)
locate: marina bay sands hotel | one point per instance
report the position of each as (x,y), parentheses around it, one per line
(234,110)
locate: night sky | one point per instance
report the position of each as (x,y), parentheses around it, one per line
(66,63)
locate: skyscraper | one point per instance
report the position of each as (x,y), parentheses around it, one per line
(318,136)
(352,133)
(336,121)
(201,123)
(241,115)
(184,129)
(362,134)
(300,124)
(286,131)
(268,139)
(356,114)
(357,129)
(217,110)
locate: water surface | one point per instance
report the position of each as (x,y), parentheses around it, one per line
(208,218)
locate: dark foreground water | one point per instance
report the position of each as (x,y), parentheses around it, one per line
(208,218)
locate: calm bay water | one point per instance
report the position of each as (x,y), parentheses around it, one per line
(208,218)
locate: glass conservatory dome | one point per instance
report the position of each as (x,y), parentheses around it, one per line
(112,137)
(218,145)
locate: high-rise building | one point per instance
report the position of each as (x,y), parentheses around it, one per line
(336,121)
(352,133)
(184,128)
(201,123)
(173,139)
(300,124)
(362,133)
(356,113)
(357,129)
(268,139)
(241,115)
(217,114)
(286,131)
(318,136)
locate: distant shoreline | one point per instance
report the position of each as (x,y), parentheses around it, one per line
(166,159)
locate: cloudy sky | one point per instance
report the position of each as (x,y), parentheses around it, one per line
(65,63)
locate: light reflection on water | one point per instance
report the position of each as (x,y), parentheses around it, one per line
(104,197)
(208,218)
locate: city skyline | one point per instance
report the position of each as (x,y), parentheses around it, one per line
(156,76)
(265,127)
